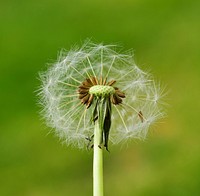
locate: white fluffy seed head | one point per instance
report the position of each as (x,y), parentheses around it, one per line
(71,120)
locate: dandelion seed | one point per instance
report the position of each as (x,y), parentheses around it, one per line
(98,74)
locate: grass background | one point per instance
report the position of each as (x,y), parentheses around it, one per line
(165,38)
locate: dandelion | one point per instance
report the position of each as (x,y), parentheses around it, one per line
(95,95)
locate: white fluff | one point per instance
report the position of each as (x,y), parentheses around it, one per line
(72,121)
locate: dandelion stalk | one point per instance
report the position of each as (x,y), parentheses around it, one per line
(97,162)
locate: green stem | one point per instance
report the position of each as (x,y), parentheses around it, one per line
(97,162)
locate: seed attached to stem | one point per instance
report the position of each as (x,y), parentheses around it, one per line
(92,87)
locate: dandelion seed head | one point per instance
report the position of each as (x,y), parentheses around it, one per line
(66,94)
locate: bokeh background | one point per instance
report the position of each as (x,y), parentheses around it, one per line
(165,36)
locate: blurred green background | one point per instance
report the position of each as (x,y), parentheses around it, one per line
(165,36)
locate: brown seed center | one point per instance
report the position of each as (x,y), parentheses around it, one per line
(92,87)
